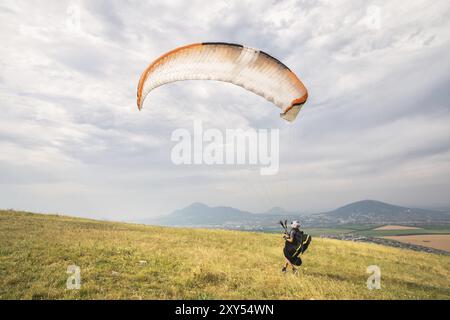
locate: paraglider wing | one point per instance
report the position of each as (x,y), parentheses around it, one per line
(248,68)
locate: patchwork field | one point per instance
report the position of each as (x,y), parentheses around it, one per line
(422,230)
(394,227)
(436,241)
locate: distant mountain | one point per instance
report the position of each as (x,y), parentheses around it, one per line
(199,214)
(371,211)
(202,215)
(280,212)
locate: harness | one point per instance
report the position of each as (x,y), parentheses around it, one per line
(300,248)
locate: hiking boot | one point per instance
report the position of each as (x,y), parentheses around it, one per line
(283,270)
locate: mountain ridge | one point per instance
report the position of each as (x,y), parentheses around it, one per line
(362,212)
(374,211)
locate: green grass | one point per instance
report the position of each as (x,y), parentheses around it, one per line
(35,251)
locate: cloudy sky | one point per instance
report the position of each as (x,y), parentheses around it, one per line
(376,126)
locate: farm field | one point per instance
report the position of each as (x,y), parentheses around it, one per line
(436,241)
(395,227)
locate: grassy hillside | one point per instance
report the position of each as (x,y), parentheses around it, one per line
(35,251)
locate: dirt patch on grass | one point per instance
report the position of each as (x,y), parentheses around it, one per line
(436,241)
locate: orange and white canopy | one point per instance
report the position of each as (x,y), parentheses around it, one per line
(248,68)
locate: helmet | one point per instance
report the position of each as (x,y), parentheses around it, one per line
(295,224)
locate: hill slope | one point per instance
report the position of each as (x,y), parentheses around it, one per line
(35,251)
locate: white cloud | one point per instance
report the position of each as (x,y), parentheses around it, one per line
(71,139)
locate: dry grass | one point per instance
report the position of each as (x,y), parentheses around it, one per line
(35,251)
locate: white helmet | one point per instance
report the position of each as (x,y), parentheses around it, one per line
(295,224)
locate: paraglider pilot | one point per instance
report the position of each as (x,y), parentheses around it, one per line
(296,243)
